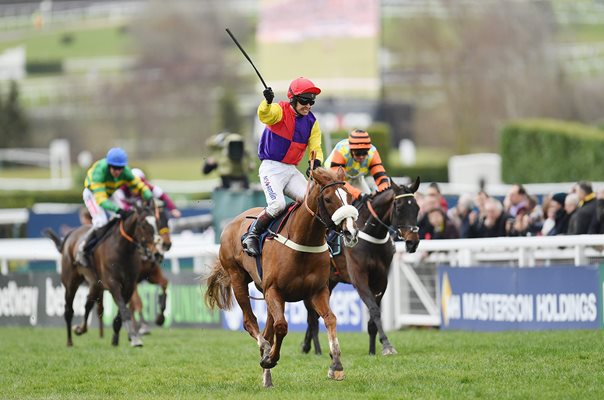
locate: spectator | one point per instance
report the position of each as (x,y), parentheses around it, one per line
(584,220)
(442,227)
(600,210)
(434,190)
(460,215)
(480,201)
(516,199)
(493,224)
(571,204)
(557,213)
(426,230)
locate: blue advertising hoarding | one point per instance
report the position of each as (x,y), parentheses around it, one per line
(511,298)
(344,302)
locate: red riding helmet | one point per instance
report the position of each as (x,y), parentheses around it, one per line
(302,85)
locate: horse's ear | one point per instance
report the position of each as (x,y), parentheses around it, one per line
(150,204)
(340,174)
(413,188)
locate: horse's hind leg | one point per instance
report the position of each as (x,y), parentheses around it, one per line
(321,304)
(91,299)
(70,291)
(276,308)
(250,323)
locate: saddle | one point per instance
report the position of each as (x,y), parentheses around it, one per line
(100,235)
(274,227)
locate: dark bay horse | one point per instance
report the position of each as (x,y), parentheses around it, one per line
(367,265)
(295,266)
(151,271)
(116,264)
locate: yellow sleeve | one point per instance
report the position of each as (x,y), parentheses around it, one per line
(269,114)
(314,142)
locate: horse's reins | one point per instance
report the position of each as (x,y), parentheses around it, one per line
(129,238)
(320,192)
(391,230)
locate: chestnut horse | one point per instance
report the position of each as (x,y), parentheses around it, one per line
(115,266)
(295,266)
(367,265)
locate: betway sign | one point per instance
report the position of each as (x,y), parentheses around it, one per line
(38,299)
(502,298)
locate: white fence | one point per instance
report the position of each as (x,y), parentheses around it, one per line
(411,298)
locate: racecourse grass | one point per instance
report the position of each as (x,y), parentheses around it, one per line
(216,364)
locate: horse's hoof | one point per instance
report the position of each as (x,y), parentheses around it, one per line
(389,351)
(115,340)
(144,330)
(305,348)
(335,375)
(78,330)
(160,320)
(136,342)
(267,363)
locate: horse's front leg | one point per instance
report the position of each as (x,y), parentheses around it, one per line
(100,310)
(276,314)
(124,316)
(158,278)
(320,302)
(374,326)
(136,309)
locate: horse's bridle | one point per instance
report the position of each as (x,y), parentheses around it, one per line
(321,205)
(140,245)
(394,231)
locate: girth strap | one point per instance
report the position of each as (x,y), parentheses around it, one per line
(299,247)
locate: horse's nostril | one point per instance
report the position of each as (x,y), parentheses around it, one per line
(167,246)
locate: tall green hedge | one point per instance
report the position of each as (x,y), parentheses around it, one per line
(542,150)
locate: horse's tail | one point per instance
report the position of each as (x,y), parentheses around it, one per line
(48,232)
(219,293)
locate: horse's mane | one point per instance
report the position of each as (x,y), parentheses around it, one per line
(325,174)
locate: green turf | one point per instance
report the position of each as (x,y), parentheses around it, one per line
(197,363)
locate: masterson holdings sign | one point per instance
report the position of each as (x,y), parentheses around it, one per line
(508,298)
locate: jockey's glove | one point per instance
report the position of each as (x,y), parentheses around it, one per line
(268,95)
(316,164)
(122,213)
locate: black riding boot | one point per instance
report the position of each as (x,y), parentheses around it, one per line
(85,246)
(251,244)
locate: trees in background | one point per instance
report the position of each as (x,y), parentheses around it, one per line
(484,65)
(14,130)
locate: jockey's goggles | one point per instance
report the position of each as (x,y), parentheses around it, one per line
(306,99)
(360,153)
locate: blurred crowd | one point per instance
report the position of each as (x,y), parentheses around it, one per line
(477,215)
